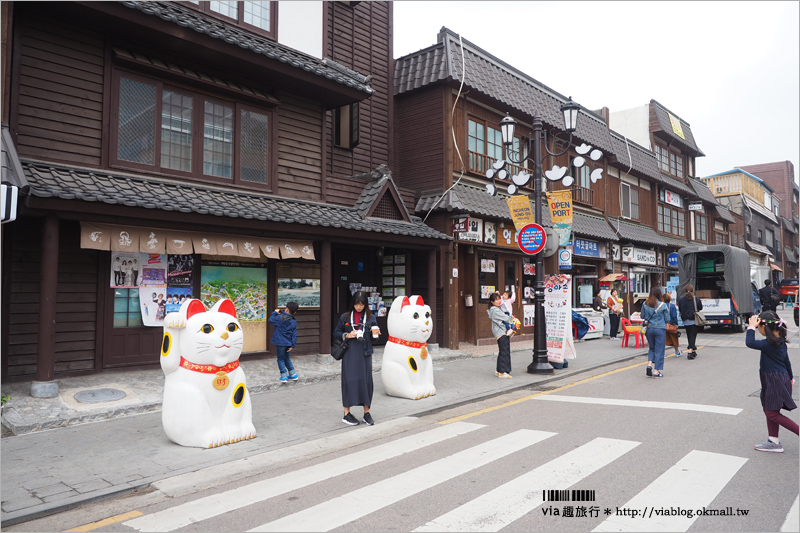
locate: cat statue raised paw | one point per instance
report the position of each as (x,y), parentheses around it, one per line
(407,369)
(206,402)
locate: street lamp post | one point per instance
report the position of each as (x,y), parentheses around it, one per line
(540,364)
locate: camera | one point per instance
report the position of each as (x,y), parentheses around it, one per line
(359,334)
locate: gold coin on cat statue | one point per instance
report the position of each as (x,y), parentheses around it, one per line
(423,352)
(221,380)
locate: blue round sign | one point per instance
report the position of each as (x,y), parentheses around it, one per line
(531,239)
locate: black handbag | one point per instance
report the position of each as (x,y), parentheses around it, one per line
(338,349)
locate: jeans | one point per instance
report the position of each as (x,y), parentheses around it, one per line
(657,339)
(504,354)
(284,362)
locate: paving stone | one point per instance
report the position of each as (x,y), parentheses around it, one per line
(50,490)
(89,486)
(15,504)
(39,482)
(60,496)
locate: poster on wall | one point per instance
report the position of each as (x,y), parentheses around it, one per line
(245,284)
(153,304)
(126,269)
(490,232)
(486,291)
(529,311)
(176,296)
(179,270)
(298,282)
(154,269)
(558,315)
(487,265)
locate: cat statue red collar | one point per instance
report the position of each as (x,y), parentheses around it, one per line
(407,368)
(206,402)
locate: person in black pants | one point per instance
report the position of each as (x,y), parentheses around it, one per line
(614,310)
(766,293)
(688,304)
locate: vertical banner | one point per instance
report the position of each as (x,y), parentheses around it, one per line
(153,289)
(521,212)
(179,281)
(558,315)
(529,312)
(560,203)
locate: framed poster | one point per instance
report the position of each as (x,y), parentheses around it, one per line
(388,282)
(487,265)
(400,281)
(389,270)
(400,259)
(298,282)
(388,259)
(399,270)
(400,291)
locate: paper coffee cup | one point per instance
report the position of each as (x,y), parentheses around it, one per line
(375,332)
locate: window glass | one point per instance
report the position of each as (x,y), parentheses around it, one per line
(257,14)
(218,140)
(634,203)
(137,116)
(254,149)
(229,9)
(494,143)
(127,312)
(176,131)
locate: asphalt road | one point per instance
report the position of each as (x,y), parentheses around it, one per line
(674,445)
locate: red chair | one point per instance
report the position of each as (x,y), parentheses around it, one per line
(629,329)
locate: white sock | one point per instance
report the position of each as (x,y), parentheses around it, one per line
(775,440)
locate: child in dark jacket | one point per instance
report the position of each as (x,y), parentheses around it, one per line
(775,371)
(285,338)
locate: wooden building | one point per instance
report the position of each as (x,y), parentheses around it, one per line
(244,145)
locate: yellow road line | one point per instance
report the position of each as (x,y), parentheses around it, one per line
(526,398)
(107,521)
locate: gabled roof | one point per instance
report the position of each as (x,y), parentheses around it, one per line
(758,248)
(788,226)
(702,191)
(662,115)
(380,184)
(760,209)
(187,18)
(725,214)
(90,185)
(486,74)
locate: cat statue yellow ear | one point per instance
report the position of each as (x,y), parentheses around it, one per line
(407,367)
(206,402)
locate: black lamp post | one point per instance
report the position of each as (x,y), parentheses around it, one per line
(540,364)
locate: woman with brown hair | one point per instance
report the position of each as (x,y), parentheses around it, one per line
(688,304)
(672,326)
(656,315)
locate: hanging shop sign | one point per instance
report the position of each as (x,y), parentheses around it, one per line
(474,232)
(631,254)
(519,207)
(586,248)
(490,232)
(696,206)
(507,237)
(532,239)
(616,252)
(565,258)
(671,198)
(459,225)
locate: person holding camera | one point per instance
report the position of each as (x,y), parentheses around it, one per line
(357,326)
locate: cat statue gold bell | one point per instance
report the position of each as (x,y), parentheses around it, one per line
(407,367)
(206,402)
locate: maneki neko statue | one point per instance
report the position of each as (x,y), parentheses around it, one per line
(206,402)
(407,368)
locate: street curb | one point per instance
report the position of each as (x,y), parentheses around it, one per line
(145,486)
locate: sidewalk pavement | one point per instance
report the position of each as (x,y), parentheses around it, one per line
(61,453)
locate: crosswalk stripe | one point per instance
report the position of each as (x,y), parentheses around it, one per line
(339,511)
(792,517)
(214,505)
(691,484)
(498,508)
(641,403)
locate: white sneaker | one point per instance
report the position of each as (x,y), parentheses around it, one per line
(504,375)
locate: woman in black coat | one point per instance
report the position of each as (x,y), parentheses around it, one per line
(356,325)
(687,305)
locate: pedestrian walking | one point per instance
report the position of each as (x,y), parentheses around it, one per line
(688,304)
(357,386)
(775,372)
(501,334)
(656,315)
(285,339)
(672,326)
(614,312)
(770,297)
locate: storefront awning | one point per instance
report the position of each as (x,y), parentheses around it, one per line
(614,277)
(758,248)
(775,267)
(159,241)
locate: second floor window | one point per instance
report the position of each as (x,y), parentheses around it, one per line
(770,238)
(485,145)
(700,228)
(760,237)
(167,129)
(671,220)
(629,202)
(676,164)
(668,161)
(254,15)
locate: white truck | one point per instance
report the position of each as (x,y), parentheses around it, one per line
(720,275)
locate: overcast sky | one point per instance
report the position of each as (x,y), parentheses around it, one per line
(729,69)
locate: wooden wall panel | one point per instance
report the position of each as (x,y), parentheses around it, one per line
(419,126)
(299,148)
(60,92)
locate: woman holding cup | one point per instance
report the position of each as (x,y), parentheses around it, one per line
(358,326)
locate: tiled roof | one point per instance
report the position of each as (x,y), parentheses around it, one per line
(758,248)
(188,18)
(725,214)
(476,201)
(760,209)
(9,162)
(662,114)
(631,155)
(151,193)
(789,255)
(676,242)
(787,224)
(702,191)
(637,232)
(490,76)
(379,178)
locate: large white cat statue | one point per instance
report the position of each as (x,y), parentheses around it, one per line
(206,403)
(407,369)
